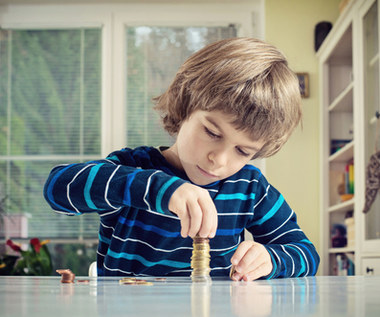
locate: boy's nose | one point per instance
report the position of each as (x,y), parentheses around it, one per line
(218,157)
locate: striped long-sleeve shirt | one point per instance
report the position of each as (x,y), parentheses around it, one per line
(138,235)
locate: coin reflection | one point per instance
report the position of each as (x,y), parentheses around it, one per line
(200,299)
(251,299)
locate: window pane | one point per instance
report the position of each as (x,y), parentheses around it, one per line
(3,92)
(154,55)
(50,104)
(55,81)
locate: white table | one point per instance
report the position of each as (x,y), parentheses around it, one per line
(314,296)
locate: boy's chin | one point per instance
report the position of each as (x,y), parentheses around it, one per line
(202,182)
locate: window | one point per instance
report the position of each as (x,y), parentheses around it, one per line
(77,82)
(50,114)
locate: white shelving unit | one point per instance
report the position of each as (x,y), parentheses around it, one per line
(349,88)
(369,98)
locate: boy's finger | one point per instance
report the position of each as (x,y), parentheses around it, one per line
(195,215)
(209,219)
(259,271)
(236,277)
(214,217)
(251,259)
(239,253)
(185,222)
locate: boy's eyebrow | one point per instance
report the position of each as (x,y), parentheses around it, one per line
(211,120)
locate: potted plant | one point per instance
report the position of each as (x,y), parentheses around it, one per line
(36,260)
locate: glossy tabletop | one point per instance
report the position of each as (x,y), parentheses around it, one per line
(313,296)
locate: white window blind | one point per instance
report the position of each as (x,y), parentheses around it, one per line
(154,55)
(49,114)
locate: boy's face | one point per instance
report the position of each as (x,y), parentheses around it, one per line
(209,148)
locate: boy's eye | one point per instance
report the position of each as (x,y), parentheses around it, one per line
(212,134)
(241,152)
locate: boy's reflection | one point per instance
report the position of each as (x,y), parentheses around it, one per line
(251,299)
(263,298)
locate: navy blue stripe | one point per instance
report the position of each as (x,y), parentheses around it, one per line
(155,229)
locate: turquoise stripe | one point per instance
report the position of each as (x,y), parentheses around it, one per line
(104,239)
(145,262)
(302,261)
(87,188)
(239,196)
(127,191)
(229,251)
(310,257)
(162,192)
(113,158)
(271,212)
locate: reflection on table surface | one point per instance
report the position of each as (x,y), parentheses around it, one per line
(313,296)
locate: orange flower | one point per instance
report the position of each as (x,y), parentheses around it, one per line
(45,242)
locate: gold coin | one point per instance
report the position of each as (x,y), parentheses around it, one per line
(232,271)
(142,282)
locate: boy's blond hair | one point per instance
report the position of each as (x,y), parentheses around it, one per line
(244,77)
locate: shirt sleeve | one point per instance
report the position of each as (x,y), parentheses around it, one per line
(108,185)
(274,225)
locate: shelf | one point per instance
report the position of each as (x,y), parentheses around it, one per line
(342,250)
(343,102)
(344,154)
(349,64)
(343,206)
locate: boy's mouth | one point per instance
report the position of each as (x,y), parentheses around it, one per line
(205,173)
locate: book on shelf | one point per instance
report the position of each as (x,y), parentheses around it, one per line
(346,188)
(338,144)
(344,264)
(349,178)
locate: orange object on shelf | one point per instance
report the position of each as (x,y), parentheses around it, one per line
(346,197)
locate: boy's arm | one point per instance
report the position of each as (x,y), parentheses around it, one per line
(275,227)
(106,185)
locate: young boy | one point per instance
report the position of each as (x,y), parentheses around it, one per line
(231,102)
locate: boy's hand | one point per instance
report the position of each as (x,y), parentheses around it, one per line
(251,261)
(196,210)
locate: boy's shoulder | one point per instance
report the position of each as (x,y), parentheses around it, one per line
(249,176)
(248,172)
(141,155)
(145,157)
(137,151)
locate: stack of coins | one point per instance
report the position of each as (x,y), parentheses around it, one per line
(200,260)
(66,275)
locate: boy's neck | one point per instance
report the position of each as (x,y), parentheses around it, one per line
(171,156)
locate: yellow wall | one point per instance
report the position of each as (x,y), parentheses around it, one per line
(295,169)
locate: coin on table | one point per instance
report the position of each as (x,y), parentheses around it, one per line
(232,271)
